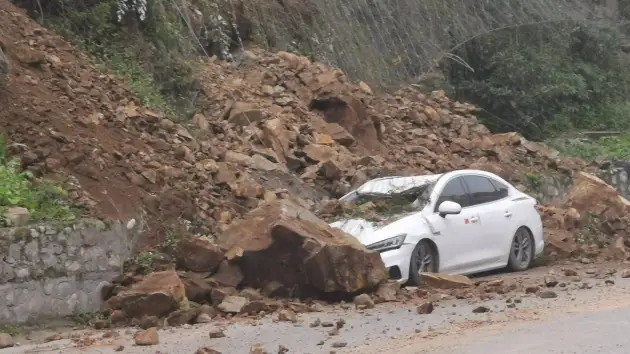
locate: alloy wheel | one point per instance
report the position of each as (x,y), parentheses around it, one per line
(521,248)
(424,261)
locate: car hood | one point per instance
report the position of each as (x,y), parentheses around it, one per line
(369,232)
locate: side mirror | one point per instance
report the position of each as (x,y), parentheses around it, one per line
(449,208)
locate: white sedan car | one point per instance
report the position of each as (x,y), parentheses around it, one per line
(461,222)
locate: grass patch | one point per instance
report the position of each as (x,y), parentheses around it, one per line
(617,147)
(87,319)
(44,201)
(11,330)
(533,181)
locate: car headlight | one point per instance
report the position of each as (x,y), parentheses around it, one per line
(391,243)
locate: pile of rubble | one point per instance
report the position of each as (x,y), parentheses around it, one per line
(591,220)
(278,135)
(275,126)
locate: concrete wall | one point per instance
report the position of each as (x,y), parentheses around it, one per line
(616,174)
(50,272)
(550,188)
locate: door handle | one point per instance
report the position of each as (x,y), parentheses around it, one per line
(508,214)
(474,219)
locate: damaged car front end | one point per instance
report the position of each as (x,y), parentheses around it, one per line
(382,213)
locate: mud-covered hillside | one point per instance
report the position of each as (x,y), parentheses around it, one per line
(275,125)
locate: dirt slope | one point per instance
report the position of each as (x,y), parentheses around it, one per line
(314,134)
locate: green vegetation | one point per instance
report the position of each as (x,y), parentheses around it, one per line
(44,201)
(547,79)
(145,262)
(533,181)
(613,147)
(87,319)
(11,330)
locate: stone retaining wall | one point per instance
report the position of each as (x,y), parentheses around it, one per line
(51,272)
(616,174)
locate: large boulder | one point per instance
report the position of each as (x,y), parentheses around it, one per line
(445,281)
(560,225)
(198,254)
(590,194)
(157,294)
(285,243)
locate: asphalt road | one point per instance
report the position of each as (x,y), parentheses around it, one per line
(597,332)
(584,321)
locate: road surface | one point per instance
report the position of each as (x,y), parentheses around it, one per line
(595,320)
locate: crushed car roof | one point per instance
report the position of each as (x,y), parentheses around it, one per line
(391,185)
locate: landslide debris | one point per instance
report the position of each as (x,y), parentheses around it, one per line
(276,125)
(278,135)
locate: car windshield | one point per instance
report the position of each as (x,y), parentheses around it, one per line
(379,206)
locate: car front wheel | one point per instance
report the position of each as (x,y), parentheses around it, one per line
(522,251)
(423,259)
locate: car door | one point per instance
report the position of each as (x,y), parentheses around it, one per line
(456,235)
(493,207)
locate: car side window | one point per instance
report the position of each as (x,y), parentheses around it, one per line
(502,188)
(454,191)
(481,189)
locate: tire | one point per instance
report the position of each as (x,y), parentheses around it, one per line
(521,251)
(423,250)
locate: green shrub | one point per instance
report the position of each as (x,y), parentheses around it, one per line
(44,201)
(546,80)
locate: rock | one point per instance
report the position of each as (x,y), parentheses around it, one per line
(206,350)
(319,153)
(387,290)
(216,333)
(183,316)
(339,344)
(276,138)
(624,273)
(257,349)
(547,294)
(287,315)
(16,216)
(6,341)
(232,304)
(445,281)
(201,121)
(590,194)
(197,290)
(363,301)
(282,349)
(573,273)
(218,294)
(157,294)
(481,309)
(285,243)
(550,281)
(54,337)
(147,337)
(198,255)
(203,318)
(229,274)
(146,322)
(251,294)
(425,309)
(339,134)
(244,114)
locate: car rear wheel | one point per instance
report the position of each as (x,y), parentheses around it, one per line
(522,251)
(423,259)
